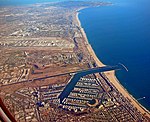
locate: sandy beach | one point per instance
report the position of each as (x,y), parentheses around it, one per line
(111,74)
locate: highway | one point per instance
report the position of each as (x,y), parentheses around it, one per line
(83,72)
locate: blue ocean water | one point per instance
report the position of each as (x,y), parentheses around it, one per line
(121,33)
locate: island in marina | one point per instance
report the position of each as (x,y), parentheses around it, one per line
(50,73)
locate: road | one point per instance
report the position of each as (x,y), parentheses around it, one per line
(85,72)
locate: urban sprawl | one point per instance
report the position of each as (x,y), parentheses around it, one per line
(42,47)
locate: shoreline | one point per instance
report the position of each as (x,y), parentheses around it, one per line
(111,74)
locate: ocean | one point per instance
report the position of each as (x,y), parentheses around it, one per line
(118,33)
(121,33)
